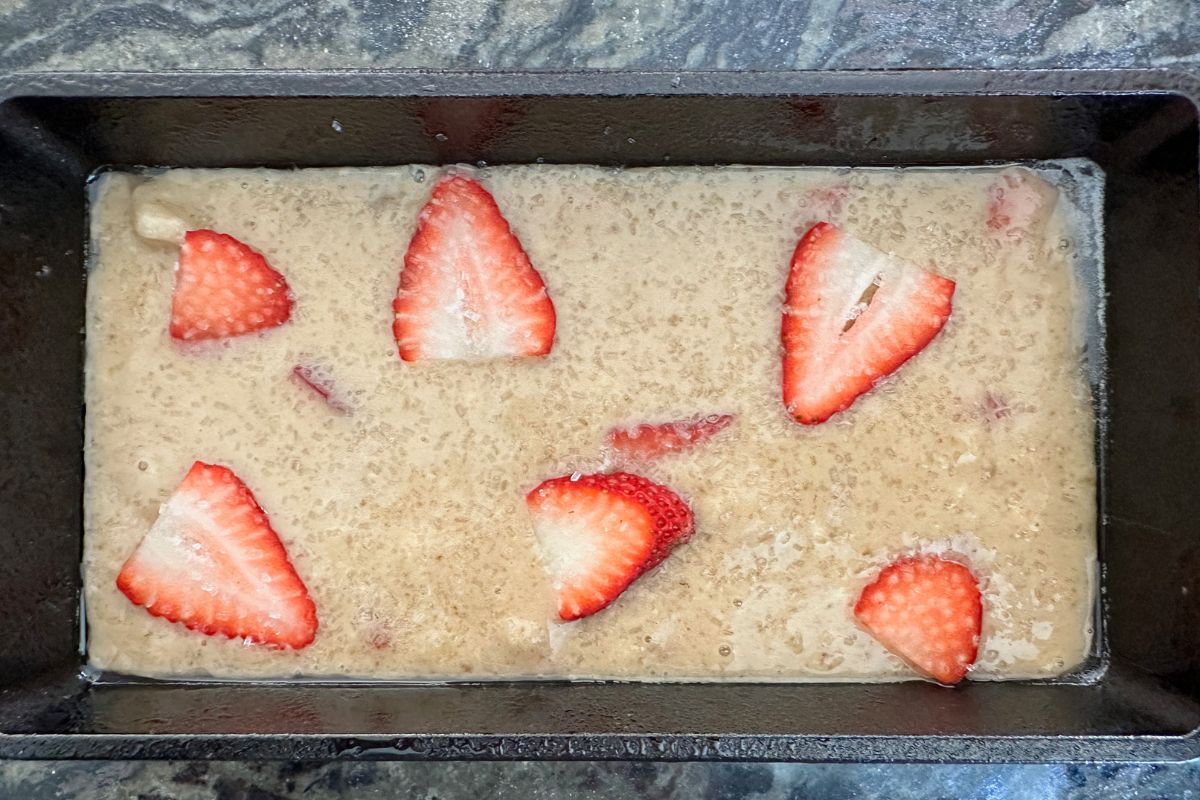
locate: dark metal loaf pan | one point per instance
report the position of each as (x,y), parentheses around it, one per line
(1142,700)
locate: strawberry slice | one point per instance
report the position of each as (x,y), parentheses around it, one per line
(223,288)
(646,442)
(468,291)
(927,611)
(1021,203)
(598,533)
(317,379)
(853,314)
(212,562)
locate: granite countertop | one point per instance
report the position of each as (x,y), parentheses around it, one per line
(577,34)
(40,35)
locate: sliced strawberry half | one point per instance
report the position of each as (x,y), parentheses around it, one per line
(649,441)
(212,562)
(598,533)
(926,610)
(852,315)
(467,290)
(317,378)
(223,288)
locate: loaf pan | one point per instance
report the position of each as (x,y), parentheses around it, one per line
(1139,698)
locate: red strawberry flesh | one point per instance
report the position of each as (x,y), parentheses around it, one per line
(212,562)
(598,533)
(648,441)
(468,290)
(317,379)
(926,610)
(1020,204)
(223,288)
(852,315)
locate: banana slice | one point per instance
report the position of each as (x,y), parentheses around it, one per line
(160,222)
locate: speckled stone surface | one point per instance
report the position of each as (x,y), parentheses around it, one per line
(556,34)
(548,34)
(528,781)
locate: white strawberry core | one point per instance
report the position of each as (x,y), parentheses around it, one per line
(590,547)
(569,548)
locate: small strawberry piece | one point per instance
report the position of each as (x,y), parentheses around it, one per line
(832,197)
(598,533)
(1020,204)
(467,290)
(927,611)
(852,315)
(212,562)
(995,407)
(646,442)
(379,632)
(316,378)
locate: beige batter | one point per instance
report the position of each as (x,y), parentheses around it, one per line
(407,521)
